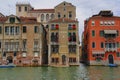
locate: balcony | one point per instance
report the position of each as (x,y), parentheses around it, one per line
(110,49)
(24,49)
(11,49)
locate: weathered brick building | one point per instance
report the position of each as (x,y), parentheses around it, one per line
(102,39)
(22,41)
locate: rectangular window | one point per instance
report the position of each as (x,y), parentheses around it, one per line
(0,30)
(102,33)
(101,23)
(72,60)
(54,48)
(25,8)
(118,45)
(72,48)
(59,15)
(24,29)
(70,14)
(36,44)
(54,37)
(6,30)
(12,30)
(19,9)
(17,30)
(24,44)
(102,45)
(93,44)
(93,23)
(12,20)
(118,54)
(36,54)
(36,29)
(93,33)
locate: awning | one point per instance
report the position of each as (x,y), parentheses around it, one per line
(110,31)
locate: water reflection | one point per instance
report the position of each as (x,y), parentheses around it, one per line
(69,73)
(103,73)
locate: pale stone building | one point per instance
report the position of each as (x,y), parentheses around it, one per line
(22,41)
(63,36)
(61,26)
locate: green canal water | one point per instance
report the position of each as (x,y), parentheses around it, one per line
(66,73)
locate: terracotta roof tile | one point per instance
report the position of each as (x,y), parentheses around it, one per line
(3,19)
(63,20)
(43,10)
(28,20)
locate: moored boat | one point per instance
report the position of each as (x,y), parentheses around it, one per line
(112,65)
(7,66)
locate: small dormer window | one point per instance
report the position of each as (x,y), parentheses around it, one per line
(19,9)
(64,4)
(12,19)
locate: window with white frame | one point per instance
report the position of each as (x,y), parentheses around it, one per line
(101,23)
(24,54)
(42,17)
(17,30)
(36,44)
(6,30)
(47,17)
(24,43)
(93,23)
(36,54)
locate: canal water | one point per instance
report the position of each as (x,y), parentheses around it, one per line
(66,73)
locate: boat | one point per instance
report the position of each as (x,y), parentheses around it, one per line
(112,65)
(8,66)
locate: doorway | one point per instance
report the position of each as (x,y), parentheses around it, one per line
(63,59)
(10,59)
(111,59)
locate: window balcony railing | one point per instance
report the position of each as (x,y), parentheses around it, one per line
(110,49)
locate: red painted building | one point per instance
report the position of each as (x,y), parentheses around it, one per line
(101,39)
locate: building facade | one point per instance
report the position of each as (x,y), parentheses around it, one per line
(102,39)
(63,44)
(63,40)
(42,15)
(22,41)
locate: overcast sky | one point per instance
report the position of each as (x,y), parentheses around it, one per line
(85,8)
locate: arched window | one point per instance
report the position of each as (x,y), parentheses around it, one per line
(59,15)
(42,17)
(52,16)
(47,17)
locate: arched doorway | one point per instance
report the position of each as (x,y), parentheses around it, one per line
(63,59)
(10,59)
(111,59)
